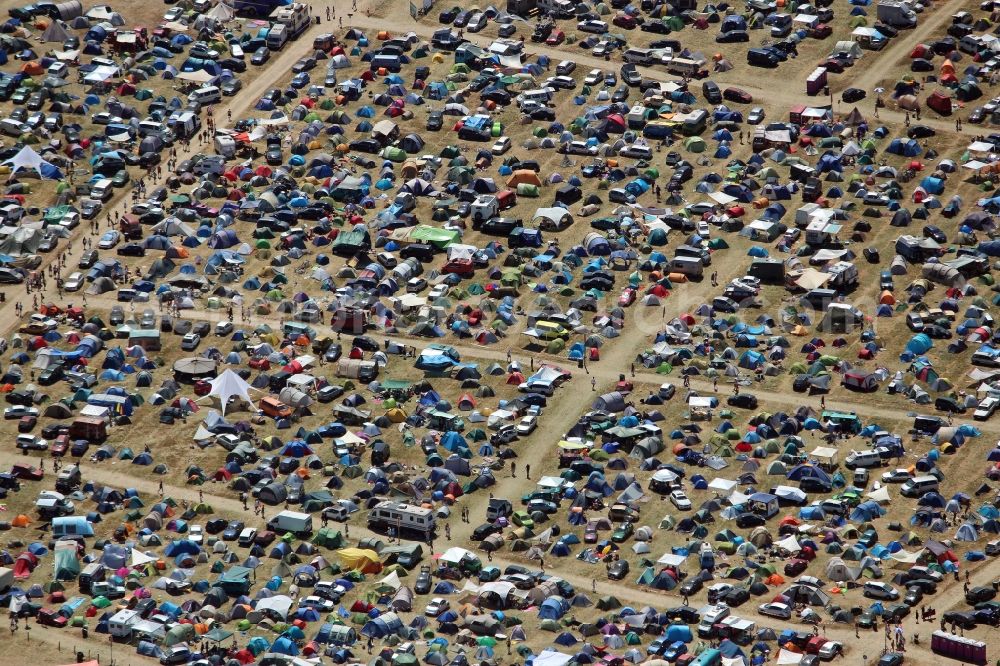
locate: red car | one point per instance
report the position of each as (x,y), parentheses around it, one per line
(60,446)
(833,65)
(26,472)
(737,95)
(27,423)
(50,617)
(265,538)
(795,566)
(627,297)
(459,267)
(821,31)
(626,21)
(556,38)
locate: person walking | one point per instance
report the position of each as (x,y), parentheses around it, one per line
(593,383)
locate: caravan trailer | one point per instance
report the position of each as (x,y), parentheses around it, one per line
(401,518)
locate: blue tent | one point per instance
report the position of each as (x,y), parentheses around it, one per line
(553,608)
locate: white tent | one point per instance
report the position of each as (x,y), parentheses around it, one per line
(228,385)
(221,12)
(26,158)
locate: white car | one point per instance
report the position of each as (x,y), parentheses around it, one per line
(776,609)
(703,229)
(439,291)
(829,650)
(109,240)
(985,409)
(31,443)
(173,14)
(501,146)
(527,425)
(196,534)
(680,500)
(321,604)
(416,285)
(899,475)
(593,77)
(875,589)
(73,282)
(436,607)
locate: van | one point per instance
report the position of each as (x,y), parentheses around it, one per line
(566,67)
(103,189)
(856,459)
(699,253)
(637,56)
(206,95)
(689,266)
(917,486)
(273,407)
(391,63)
(12,127)
(761,58)
(710,90)
(818,299)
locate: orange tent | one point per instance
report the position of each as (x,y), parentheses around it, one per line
(32,68)
(21,521)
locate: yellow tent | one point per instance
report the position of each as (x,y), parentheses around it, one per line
(362,559)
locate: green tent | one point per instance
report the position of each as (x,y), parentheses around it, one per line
(695,144)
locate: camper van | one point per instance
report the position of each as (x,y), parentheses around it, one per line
(401,517)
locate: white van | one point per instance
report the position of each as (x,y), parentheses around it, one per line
(539,96)
(206,95)
(918,486)
(856,459)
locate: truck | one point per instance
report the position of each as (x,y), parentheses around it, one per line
(896,14)
(299,524)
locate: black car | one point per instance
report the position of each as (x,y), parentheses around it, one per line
(964,620)
(920,132)
(691,587)
(618,570)
(980,594)
(736,597)
(686,614)
(447,17)
(852,95)
(365,343)
(934,232)
(215,525)
(435,121)
(131,250)
(732,37)
(811,484)
(485,530)
(10,276)
(370,146)
(749,519)
(333,352)
(260,56)
(742,400)
(423,582)
(462,18)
